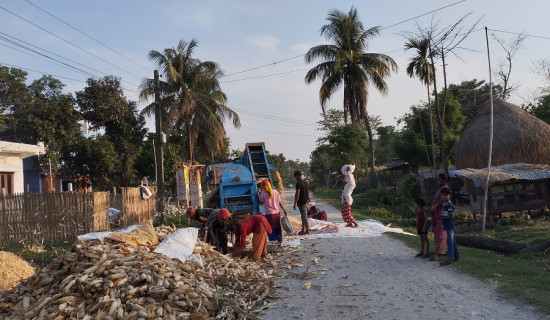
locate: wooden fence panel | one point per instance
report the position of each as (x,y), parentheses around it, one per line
(100,211)
(58,216)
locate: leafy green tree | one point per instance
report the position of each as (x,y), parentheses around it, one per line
(13,92)
(321,163)
(144,163)
(192,102)
(331,119)
(542,109)
(49,118)
(103,104)
(412,144)
(344,145)
(94,157)
(346,62)
(386,137)
(473,95)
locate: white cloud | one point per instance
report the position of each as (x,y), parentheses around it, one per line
(264,41)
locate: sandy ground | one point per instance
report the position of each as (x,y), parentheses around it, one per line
(376,277)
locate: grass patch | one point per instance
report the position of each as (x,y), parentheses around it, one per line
(38,255)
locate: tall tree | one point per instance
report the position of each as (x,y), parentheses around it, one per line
(102,102)
(346,62)
(49,117)
(420,66)
(192,101)
(13,92)
(473,95)
(444,42)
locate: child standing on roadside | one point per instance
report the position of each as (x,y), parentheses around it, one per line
(422,228)
(447,217)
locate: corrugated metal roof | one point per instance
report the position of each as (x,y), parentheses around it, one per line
(506,172)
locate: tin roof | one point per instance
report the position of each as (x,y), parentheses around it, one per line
(506,172)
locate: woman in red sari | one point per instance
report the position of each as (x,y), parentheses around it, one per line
(440,235)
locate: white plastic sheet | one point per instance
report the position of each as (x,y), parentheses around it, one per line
(179,244)
(102,234)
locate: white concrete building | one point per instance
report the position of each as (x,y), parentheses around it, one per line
(11,164)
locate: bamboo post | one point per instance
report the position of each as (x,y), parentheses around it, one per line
(490,136)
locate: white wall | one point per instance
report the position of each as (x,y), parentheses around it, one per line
(15,165)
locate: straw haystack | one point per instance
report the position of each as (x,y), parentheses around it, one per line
(12,270)
(517,137)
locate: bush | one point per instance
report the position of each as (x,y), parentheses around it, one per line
(377,212)
(410,187)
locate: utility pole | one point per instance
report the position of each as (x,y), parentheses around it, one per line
(158,149)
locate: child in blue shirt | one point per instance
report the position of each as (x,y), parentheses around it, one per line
(447,216)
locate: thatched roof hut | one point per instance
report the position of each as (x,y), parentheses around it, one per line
(517,137)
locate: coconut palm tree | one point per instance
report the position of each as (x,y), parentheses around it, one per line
(345,62)
(192,101)
(421,67)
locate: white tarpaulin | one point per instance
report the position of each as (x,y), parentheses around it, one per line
(367,228)
(179,244)
(102,234)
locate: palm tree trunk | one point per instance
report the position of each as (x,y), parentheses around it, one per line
(190,139)
(436,108)
(443,151)
(431,130)
(375,182)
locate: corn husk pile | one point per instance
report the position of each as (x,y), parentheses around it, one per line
(12,270)
(110,280)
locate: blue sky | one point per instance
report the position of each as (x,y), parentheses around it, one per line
(270,37)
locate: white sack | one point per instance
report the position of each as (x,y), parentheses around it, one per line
(179,244)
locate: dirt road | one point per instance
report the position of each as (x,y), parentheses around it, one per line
(377,277)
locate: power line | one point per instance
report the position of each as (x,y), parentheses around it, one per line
(271,121)
(52,53)
(383,28)
(261,115)
(37,57)
(44,55)
(87,35)
(424,14)
(267,65)
(68,42)
(27,69)
(283,133)
(264,76)
(521,34)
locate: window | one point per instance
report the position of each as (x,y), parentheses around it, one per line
(6,182)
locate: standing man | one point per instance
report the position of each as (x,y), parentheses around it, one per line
(301,198)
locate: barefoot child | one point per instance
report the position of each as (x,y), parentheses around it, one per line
(422,228)
(447,215)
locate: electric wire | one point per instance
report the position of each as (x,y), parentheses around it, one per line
(383,28)
(68,42)
(520,34)
(52,53)
(261,115)
(37,57)
(45,56)
(87,35)
(82,71)
(27,69)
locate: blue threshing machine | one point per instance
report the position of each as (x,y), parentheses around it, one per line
(234,184)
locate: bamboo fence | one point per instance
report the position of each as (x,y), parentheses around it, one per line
(46,217)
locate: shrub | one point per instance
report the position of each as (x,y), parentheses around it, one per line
(410,187)
(377,212)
